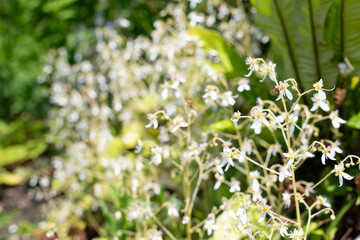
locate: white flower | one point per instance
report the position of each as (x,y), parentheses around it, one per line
(236,118)
(257,195)
(209,224)
(220,179)
(165,90)
(285,171)
(291,155)
(172,211)
(259,117)
(339,171)
(226,207)
(286,199)
(227,155)
(283,229)
(153,121)
(323,201)
(178,122)
(235,186)
(156,159)
(210,94)
(282,89)
(327,153)
(194,149)
(335,119)
(243,85)
(193,3)
(319,101)
(156,235)
(245,225)
(253,65)
(177,78)
(293,120)
(308,189)
(335,148)
(246,147)
(269,70)
(305,153)
(228,99)
(296,235)
(265,210)
(138,147)
(185,220)
(319,88)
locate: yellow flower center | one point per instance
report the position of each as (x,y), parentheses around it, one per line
(283,87)
(259,115)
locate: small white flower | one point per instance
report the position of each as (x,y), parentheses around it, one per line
(319,88)
(210,94)
(283,229)
(253,65)
(286,199)
(209,224)
(156,159)
(323,201)
(177,78)
(292,121)
(156,235)
(236,117)
(269,70)
(220,179)
(165,91)
(235,186)
(291,155)
(226,208)
(245,225)
(296,235)
(265,210)
(178,122)
(319,101)
(172,211)
(282,89)
(305,153)
(194,149)
(227,155)
(193,3)
(335,148)
(153,121)
(259,117)
(335,119)
(228,99)
(308,189)
(327,153)
(243,85)
(138,147)
(339,171)
(246,147)
(285,171)
(185,220)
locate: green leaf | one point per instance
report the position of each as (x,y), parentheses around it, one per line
(354,121)
(334,224)
(298,45)
(223,125)
(232,63)
(20,153)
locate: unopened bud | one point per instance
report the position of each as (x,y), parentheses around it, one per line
(347,165)
(332,217)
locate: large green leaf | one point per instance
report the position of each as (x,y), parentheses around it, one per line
(298,44)
(232,63)
(354,121)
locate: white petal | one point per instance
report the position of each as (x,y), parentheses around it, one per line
(323,159)
(346,176)
(288,94)
(262,217)
(340,180)
(324,106)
